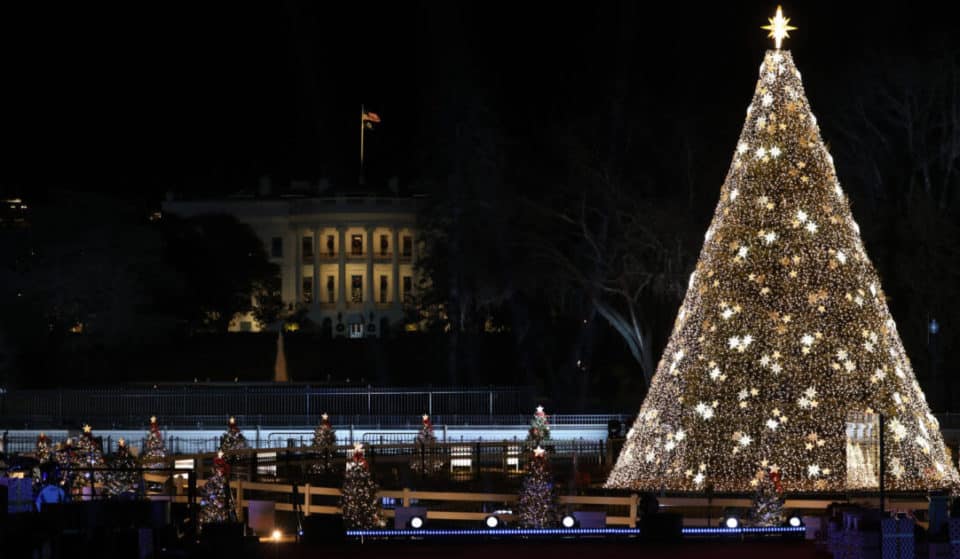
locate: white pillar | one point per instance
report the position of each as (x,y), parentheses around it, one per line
(298,265)
(414,255)
(395,253)
(316,266)
(369,291)
(342,268)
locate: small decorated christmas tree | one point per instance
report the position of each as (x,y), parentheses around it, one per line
(64,455)
(43,451)
(122,479)
(539,428)
(88,455)
(44,455)
(426,458)
(768,500)
(324,445)
(538,495)
(154,453)
(232,440)
(359,495)
(215,502)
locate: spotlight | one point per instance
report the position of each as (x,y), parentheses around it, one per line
(569,521)
(416,522)
(277,534)
(795,521)
(492,522)
(731,522)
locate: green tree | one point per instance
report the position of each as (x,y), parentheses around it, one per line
(224,270)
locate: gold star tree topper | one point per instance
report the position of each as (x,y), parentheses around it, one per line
(779,27)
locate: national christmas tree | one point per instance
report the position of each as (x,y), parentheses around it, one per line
(539,427)
(426,457)
(123,478)
(784,333)
(768,499)
(324,446)
(154,453)
(215,501)
(538,494)
(86,455)
(359,500)
(232,440)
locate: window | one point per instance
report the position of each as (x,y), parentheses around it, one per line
(384,245)
(330,245)
(307,247)
(356,289)
(276,247)
(356,245)
(307,289)
(407,288)
(356,330)
(407,246)
(383,289)
(330,286)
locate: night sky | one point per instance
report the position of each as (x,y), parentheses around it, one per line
(140,99)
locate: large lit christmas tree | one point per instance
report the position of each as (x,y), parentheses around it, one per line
(537,506)
(426,456)
(539,427)
(123,478)
(232,441)
(324,445)
(88,460)
(784,333)
(359,501)
(216,502)
(154,453)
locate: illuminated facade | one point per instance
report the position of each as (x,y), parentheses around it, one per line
(348,261)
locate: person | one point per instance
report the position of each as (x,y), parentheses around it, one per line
(51,491)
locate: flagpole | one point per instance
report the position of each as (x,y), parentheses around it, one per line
(362,131)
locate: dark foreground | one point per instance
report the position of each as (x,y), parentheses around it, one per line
(572,549)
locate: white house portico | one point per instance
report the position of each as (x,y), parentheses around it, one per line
(348,260)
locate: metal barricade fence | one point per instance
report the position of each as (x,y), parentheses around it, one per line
(205,404)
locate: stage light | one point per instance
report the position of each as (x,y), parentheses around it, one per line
(416,522)
(569,522)
(492,522)
(731,522)
(277,534)
(795,521)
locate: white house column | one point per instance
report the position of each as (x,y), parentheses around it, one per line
(370,297)
(414,255)
(298,265)
(395,252)
(316,266)
(342,268)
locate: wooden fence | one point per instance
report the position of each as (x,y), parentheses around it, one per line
(282,494)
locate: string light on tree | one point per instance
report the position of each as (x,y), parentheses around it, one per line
(754,370)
